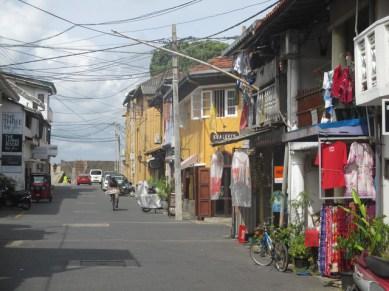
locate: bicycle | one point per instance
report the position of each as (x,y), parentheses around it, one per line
(264,251)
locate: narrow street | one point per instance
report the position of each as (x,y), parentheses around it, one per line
(55,247)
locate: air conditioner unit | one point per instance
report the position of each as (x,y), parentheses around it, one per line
(157,139)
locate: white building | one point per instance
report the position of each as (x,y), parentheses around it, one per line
(26,127)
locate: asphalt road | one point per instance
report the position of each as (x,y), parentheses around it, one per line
(78,243)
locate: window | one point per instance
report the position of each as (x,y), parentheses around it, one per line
(219,102)
(206,103)
(232,103)
(41,97)
(224,103)
(28,121)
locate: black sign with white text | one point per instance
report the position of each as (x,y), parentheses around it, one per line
(220,136)
(8,160)
(12,143)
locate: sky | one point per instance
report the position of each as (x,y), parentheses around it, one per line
(91,86)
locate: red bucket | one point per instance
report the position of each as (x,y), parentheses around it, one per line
(311,237)
(242,233)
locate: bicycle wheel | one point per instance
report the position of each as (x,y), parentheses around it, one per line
(280,257)
(260,254)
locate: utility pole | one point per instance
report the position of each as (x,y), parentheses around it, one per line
(117,147)
(177,145)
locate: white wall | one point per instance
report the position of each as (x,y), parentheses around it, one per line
(8,106)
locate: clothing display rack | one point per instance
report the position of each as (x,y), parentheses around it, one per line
(337,138)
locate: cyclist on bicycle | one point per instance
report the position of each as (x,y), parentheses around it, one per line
(113,191)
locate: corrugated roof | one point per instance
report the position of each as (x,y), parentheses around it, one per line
(220,62)
(287,14)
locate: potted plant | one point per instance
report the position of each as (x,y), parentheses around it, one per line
(299,252)
(368,236)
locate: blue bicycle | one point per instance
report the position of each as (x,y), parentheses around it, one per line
(264,251)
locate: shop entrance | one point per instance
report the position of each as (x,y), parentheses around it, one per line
(223,206)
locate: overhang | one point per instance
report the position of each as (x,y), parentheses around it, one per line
(287,14)
(189,162)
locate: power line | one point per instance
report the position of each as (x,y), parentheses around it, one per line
(244,20)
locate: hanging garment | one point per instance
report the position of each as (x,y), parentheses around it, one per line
(217,164)
(242,64)
(336,80)
(342,85)
(240,180)
(359,170)
(333,159)
(244,117)
(346,87)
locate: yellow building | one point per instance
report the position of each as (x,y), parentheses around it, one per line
(209,112)
(143,132)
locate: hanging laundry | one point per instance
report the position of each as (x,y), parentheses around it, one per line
(333,159)
(342,85)
(240,180)
(327,86)
(244,117)
(359,170)
(336,80)
(217,164)
(242,64)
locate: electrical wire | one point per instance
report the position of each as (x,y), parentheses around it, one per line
(244,20)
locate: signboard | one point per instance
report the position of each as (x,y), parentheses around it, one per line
(385,116)
(44,152)
(11,164)
(12,143)
(220,136)
(278,174)
(12,122)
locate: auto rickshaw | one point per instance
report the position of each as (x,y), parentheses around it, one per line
(41,187)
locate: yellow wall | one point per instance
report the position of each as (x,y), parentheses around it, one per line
(148,125)
(195,134)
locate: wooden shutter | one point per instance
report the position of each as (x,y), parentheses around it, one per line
(196,105)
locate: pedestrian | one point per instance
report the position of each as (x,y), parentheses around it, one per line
(113,191)
(65,179)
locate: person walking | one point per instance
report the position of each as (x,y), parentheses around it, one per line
(113,191)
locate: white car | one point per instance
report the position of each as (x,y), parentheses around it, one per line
(96,175)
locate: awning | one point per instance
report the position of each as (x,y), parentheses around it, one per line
(350,127)
(153,150)
(242,136)
(189,162)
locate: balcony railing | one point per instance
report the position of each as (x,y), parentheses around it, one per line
(372,63)
(265,110)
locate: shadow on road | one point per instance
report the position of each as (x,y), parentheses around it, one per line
(19,264)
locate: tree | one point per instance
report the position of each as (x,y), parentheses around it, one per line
(203,50)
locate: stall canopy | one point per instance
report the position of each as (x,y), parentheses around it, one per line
(189,162)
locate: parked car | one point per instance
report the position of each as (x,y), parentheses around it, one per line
(96,175)
(125,187)
(84,179)
(104,182)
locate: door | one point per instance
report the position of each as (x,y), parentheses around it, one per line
(203,193)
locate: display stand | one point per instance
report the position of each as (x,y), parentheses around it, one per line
(338,138)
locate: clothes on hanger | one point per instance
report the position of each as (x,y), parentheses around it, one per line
(333,159)
(240,180)
(217,164)
(359,170)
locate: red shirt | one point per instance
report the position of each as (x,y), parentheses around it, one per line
(333,160)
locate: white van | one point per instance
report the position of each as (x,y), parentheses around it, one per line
(96,175)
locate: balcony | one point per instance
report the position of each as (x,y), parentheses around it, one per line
(372,63)
(265,109)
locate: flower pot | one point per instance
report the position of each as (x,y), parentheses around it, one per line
(347,279)
(301,266)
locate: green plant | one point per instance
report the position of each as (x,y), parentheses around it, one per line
(162,187)
(297,248)
(282,234)
(370,234)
